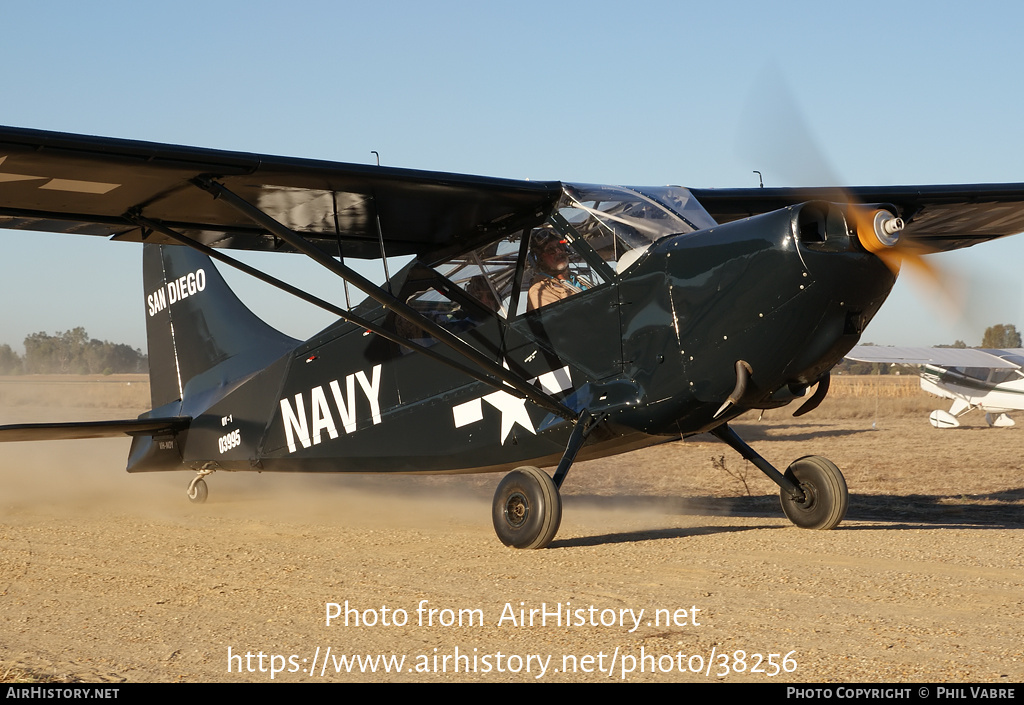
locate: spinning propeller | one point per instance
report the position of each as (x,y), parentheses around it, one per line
(792,151)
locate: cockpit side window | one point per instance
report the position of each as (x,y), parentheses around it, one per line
(486,275)
(467,290)
(999,375)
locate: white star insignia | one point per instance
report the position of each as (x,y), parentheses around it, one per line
(513,409)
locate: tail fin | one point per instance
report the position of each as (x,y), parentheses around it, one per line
(201,336)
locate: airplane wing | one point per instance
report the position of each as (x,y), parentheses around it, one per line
(940,357)
(941,218)
(92,429)
(56,182)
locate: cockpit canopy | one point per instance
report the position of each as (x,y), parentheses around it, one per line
(616,220)
(600,230)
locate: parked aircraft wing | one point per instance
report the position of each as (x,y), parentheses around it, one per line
(940,357)
(58,182)
(940,218)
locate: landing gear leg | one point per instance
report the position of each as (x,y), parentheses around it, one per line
(813,491)
(197,491)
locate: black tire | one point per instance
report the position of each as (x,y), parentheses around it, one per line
(527,509)
(198,492)
(826,497)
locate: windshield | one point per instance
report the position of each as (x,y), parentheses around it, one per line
(620,223)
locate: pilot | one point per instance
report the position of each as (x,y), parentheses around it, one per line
(553,281)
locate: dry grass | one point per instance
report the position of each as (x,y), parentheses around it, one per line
(891,386)
(870,396)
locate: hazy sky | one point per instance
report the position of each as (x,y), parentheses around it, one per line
(697,94)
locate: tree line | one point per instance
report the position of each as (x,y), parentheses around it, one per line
(71,352)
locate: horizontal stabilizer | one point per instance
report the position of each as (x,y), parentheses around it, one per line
(92,429)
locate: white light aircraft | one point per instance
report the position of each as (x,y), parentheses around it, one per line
(974,378)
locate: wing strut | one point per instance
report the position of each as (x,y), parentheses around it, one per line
(517,383)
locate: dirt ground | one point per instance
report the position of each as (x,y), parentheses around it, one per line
(106,576)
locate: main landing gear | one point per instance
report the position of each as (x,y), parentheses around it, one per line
(825,495)
(813,491)
(527,508)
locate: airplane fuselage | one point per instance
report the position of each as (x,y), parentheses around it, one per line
(975,390)
(653,352)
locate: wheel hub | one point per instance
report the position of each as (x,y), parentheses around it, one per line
(517,509)
(810,492)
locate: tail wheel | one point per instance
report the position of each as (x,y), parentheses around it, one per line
(527,509)
(197,491)
(825,495)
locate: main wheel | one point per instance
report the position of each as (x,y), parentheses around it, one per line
(197,491)
(527,508)
(825,495)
